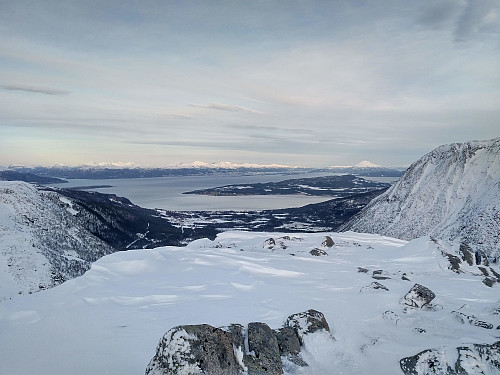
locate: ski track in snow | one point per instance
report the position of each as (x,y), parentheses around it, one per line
(110,320)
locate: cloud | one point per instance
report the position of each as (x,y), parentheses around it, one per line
(36,90)
(476,17)
(438,14)
(226,107)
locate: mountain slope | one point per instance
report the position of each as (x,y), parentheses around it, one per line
(452,193)
(42,241)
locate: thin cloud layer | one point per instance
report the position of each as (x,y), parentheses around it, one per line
(36,90)
(311,83)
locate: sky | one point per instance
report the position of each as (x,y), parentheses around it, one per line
(295,82)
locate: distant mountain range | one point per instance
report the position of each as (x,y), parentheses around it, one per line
(9,175)
(452,193)
(126,170)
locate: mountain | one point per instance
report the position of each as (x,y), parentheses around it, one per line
(366,168)
(451,193)
(8,175)
(390,305)
(50,235)
(43,243)
(367,164)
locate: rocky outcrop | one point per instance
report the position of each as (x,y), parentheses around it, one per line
(467,360)
(258,350)
(451,193)
(419,296)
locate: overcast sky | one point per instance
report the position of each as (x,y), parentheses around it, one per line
(309,83)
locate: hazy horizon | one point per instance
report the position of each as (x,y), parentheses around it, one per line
(306,83)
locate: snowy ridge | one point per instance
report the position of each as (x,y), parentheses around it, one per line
(452,193)
(42,242)
(109,320)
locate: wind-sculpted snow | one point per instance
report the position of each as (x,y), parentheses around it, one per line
(109,320)
(452,193)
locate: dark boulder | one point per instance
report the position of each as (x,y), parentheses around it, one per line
(264,355)
(318,252)
(418,296)
(328,242)
(195,349)
(307,322)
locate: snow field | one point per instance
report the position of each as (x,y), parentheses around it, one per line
(110,320)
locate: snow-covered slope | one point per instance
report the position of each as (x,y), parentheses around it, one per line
(41,242)
(452,193)
(109,320)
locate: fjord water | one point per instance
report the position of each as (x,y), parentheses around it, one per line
(166,192)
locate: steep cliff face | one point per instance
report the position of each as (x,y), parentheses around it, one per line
(452,193)
(43,242)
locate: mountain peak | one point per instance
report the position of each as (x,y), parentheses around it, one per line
(450,193)
(366,164)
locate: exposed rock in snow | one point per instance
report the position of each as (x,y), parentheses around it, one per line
(452,193)
(203,349)
(472,359)
(419,296)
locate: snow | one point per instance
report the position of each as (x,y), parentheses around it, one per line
(37,230)
(110,320)
(367,164)
(451,193)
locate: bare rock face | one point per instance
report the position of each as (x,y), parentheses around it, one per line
(195,349)
(418,296)
(258,350)
(264,355)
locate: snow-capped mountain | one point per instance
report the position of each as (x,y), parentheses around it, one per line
(110,320)
(42,242)
(50,235)
(452,193)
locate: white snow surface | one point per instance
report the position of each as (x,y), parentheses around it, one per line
(110,320)
(451,193)
(40,238)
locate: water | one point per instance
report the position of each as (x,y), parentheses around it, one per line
(166,192)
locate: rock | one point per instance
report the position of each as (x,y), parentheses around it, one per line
(481,258)
(454,262)
(270,243)
(318,252)
(404,277)
(470,360)
(289,345)
(431,361)
(362,270)
(328,242)
(203,349)
(265,355)
(419,296)
(466,253)
(488,281)
(288,341)
(472,320)
(195,349)
(373,286)
(380,275)
(307,322)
